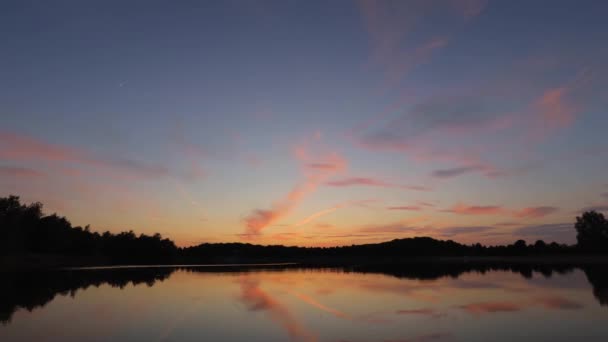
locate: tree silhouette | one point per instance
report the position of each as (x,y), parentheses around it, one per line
(28,235)
(592,232)
(25,230)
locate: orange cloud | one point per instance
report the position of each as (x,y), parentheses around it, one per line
(317,215)
(316,170)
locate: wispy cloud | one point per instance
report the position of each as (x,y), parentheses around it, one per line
(20,172)
(554,110)
(405,207)
(388,24)
(257,299)
(477,209)
(367,181)
(457,171)
(316,170)
(311,301)
(317,215)
(454,231)
(535,212)
(422,312)
(391,228)
(529,212)
(18,147)
(360,203)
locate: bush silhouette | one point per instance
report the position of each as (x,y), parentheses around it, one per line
(592,232)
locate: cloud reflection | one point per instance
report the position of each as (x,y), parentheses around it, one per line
(257,299)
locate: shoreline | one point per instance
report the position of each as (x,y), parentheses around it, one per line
(47,262)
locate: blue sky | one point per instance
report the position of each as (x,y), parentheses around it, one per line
(234,120)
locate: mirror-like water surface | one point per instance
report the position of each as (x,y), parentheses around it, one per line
(235,304)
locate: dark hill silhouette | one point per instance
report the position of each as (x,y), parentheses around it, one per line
(27,237)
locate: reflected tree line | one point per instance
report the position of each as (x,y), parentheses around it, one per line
(32,290)
(28,237)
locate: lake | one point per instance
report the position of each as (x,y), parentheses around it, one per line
(287,303)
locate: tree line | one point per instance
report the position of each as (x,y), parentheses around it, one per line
(26,230)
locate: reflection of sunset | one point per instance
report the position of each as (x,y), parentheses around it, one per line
(306,305)
(258,300)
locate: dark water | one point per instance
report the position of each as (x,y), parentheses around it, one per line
(409,303)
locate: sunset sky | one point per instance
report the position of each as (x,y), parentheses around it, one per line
(309,123)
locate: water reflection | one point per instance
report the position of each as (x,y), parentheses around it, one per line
(363,303)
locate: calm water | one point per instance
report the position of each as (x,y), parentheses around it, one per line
(236,304)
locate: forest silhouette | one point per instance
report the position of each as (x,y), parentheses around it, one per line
(30,237)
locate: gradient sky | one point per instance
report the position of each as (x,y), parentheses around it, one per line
(305,122)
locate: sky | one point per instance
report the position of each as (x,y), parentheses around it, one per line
(312,123)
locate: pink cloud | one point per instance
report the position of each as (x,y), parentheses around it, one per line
(366,181)
(470,8)
(530,212)
(387,25)
(332,163)
(555,112)
(556,108)
(477,209)
(536,212)
(257,299)
(20,147)
(20,172)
